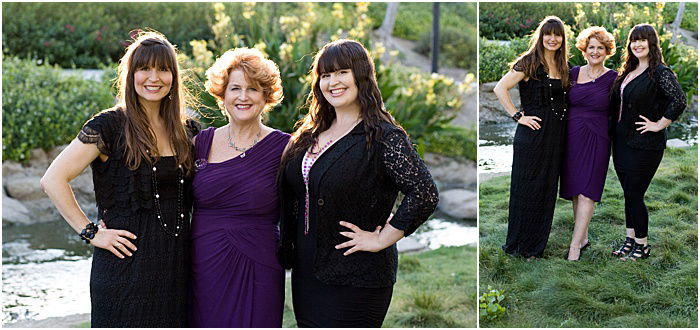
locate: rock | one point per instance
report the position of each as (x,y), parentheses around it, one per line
(39,158)
(10,167)
(459,203)
(490,109)
(449,170)
(53,153)
(13,211)
(677,143)
(409,244)
(24,187)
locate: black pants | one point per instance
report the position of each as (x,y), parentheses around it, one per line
(635,168)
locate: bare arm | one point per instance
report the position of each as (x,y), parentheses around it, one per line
(506,83)
(68,165)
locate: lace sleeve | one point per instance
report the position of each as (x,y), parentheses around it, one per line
(518,67)
(99,130)
(671,89)
(411,176)
(192,127)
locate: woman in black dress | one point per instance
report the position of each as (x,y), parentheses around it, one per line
(340,177)
(542,75)
(140,153)
(646,98)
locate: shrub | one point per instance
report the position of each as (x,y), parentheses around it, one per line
(494,57)
(43,108)
(490,307)
(457,47)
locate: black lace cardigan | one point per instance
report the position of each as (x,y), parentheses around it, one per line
(654,98)
(119,191)
(350,182)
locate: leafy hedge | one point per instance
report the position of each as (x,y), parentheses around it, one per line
(505,20)
(43,108)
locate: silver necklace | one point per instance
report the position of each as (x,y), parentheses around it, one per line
(232,143)
(588,73)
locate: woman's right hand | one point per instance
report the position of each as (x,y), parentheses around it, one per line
(115,241)
(530,121)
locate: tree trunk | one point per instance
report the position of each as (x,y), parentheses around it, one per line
(387,28)
(677,22)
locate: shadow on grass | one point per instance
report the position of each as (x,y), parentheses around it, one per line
(601,291)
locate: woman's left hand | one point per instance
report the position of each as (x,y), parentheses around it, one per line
(648,125)
(360,240)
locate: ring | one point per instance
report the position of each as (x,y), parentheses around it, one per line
(117,245)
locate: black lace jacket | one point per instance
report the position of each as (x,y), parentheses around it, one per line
(119,191)
(654,98)
(349,182)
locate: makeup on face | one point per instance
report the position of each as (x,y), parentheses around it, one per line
(152,84)
(339,88)
(552,42)
(595,52)
(640,48)
(243,100)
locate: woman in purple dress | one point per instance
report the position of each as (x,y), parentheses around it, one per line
(237,281)
(587,142)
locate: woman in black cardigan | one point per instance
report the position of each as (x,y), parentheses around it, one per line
(340,177)
(646,98)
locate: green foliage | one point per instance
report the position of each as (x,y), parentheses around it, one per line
(86,35)
(43,108)
(457,47)
(505,20)
(490,304)
(690,15)
(552,292)
(494,59)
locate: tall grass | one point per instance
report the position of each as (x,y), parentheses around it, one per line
(601,291)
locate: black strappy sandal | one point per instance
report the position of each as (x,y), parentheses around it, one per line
(640,252)
(626,248)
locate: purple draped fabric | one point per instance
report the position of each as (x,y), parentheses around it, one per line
(237,281)
(587,150)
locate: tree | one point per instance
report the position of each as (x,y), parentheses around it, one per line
(392,9)
(677,22)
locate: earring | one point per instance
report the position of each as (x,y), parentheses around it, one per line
(170,96)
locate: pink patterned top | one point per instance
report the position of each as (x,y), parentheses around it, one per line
(306,164)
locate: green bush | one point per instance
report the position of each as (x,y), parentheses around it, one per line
(43,108)
(457,47)
(494,57)
(690,15)
(505,20)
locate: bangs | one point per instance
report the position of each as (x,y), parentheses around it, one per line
(334,58)
(153,54)
(552,26)
(642,32)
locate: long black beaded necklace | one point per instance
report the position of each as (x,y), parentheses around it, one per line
(180,217)
(558,115)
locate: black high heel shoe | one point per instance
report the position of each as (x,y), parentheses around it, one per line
(626,248)
(579,255)
(585,246)
(640,252)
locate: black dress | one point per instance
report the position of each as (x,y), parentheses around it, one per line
(148,289)
(537,158)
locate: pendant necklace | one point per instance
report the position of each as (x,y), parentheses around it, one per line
(232,143)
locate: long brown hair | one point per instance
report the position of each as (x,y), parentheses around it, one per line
(152,49)
(532,58)
(334,56)
(631,62)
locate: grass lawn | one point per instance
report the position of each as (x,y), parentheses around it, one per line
(433,289)
(601,291)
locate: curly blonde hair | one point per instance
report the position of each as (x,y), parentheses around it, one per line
(259,71)
(601,34)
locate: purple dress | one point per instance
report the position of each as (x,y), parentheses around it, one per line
(587,143)
(237,281)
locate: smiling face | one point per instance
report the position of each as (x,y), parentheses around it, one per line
(640,48)
(243,101)
(339,88)
(595,52)
(152,84)
(552,42)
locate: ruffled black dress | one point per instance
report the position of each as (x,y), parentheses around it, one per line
(537,158)
(148,289)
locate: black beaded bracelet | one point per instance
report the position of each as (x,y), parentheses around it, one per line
(89,232)
(517,116)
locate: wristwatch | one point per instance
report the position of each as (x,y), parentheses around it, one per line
(517,116)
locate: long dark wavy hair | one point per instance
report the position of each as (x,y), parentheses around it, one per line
(334,56)
(152,49)
(533,57)
(631,62)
